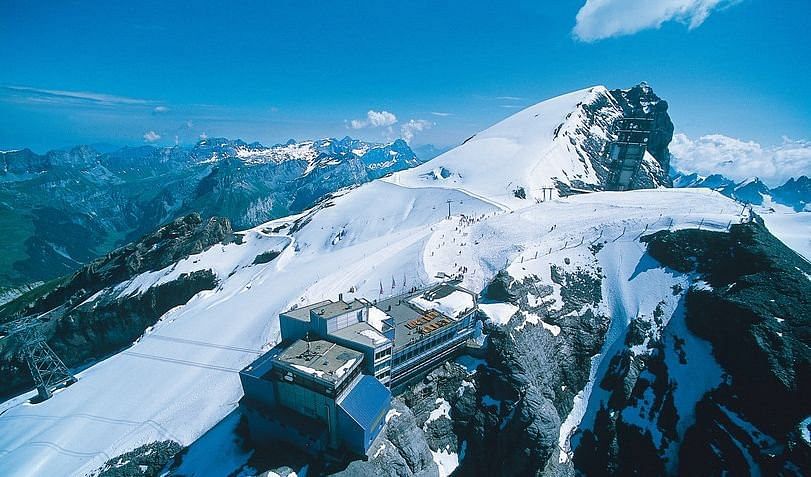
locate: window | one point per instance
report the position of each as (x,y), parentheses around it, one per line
(382,354)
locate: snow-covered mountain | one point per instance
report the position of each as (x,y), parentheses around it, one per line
(65,208)
(794,193)
(598,352)
(559,143)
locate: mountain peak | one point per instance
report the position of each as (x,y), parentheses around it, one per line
(556,143)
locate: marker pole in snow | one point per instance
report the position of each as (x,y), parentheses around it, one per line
(449,207)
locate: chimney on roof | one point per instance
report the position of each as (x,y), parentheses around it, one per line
(340,297)
(388,308)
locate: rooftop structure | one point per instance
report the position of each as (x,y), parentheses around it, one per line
(319,360)
(422,313)
(429,325)
(312,394)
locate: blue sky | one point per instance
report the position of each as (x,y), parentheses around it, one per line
(113,72)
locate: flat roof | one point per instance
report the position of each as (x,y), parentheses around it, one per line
(263,363)
(362,333)
(320,359)
(409,319)
(303,313)
(335,308)
(326,308)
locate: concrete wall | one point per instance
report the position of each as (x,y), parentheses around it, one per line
(259,390)
(292,329)
(265,431)
(308,403)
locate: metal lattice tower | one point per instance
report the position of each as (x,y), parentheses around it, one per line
(47,370)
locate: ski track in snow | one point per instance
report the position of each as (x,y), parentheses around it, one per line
(181,378)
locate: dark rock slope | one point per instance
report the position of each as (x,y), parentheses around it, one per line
(756,313)
(749,306)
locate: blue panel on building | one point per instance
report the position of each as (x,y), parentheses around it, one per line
(366,405)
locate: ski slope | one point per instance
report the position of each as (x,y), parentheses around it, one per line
(181,377)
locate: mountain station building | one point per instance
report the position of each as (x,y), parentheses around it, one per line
(326,387)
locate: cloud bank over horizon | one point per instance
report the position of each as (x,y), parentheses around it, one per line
(739,159)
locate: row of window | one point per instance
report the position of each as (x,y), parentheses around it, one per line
(383,353)
(422,346)
(341,322)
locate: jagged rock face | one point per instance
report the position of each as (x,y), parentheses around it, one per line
(641,102)
(147,460)
(749,309)
(79,331)
(750,294)
(511,423)
(758,295)
(601,114)
(65,208)
(184,236)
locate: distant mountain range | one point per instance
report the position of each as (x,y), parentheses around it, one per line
(795,193)
(64,208)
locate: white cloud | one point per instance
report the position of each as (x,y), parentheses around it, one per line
(160,109)
(374,119)
(413,126)
(738,160)
(509,98)
(151,136)
(600,19)
(54,96)
(441,114)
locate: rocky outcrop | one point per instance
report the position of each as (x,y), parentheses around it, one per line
(182,237)
(758,295)
(87,332)
(641,102)
(511,419)
(147,460)
(748,311)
